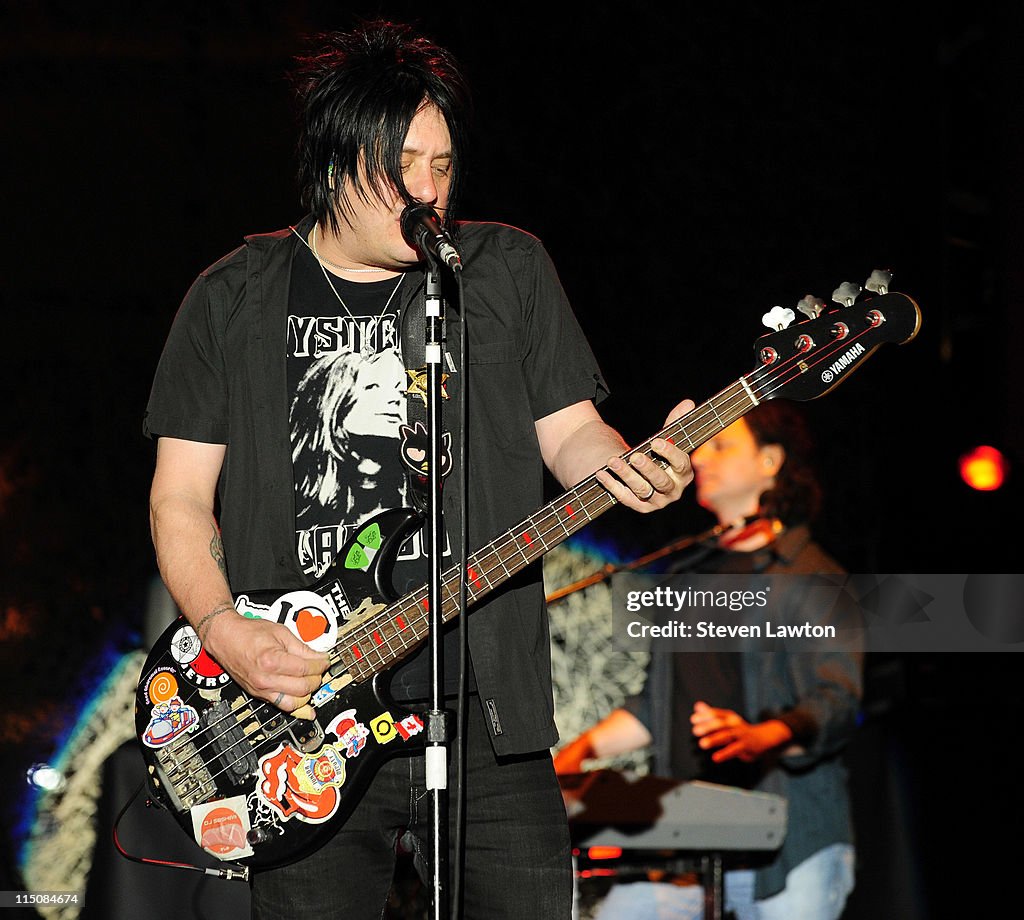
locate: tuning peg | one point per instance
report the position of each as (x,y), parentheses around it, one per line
(778,318)
(811,306)
(846,293)
(879,281)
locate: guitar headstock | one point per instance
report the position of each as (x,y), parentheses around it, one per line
(805,360)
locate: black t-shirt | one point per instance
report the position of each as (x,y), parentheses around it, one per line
(349,429)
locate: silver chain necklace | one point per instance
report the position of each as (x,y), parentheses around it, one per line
(365,350)
(325,261)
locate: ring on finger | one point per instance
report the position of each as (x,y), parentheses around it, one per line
(277,702)
(649,495)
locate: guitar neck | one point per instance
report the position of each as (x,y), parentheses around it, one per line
(389,635)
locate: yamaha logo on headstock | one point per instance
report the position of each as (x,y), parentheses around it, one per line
(842,363)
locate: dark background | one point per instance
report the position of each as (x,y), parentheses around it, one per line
(687,167)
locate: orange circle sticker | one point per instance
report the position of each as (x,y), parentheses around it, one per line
(222,831)
(162,687)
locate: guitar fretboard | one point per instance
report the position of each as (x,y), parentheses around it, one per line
(395,631)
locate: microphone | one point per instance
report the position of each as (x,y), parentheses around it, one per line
(422,230)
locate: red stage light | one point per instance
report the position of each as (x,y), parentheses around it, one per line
(604,852)
(984,468)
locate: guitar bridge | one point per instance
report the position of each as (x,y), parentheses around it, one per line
(184,776)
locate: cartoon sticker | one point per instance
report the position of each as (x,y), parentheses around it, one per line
(221,827)
(168,721)
(326,692)
(415,447)
(352,734)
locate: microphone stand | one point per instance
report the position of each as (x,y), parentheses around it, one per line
(436,721)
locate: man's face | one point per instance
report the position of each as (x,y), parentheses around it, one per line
(372,234)
(732,471)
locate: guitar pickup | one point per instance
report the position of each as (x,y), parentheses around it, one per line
(231,747)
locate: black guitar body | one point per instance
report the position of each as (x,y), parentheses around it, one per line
(249,783)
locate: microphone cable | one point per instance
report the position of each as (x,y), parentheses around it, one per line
(462,698)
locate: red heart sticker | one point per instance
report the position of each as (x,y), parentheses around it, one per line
(311,624)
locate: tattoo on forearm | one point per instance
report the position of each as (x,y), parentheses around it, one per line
(203,626)
(217,551)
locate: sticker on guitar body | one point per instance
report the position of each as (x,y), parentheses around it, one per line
(385,728)
(221,827)
(351,733)
(169,720)
(193,663)
(309,616)
(302,786)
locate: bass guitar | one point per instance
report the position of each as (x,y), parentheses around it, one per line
(254,785)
